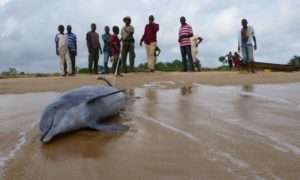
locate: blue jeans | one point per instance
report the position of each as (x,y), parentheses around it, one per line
(247,53)
(105,61)
(186,51)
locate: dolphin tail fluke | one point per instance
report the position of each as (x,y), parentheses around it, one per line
(108,127)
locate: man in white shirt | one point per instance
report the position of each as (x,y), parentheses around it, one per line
(246,37)
(62,50)
(195,41)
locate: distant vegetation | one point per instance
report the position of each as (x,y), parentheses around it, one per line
(295,61)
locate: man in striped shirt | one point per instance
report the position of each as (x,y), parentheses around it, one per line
(185,33)
(72,45)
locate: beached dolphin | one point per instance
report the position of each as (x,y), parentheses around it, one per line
(84,107)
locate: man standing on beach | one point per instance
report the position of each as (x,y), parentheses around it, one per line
(245,39)
(149,38)
(106,49)
(229,59)
(72,45)
(93,45)
(185,33)
(61,42)
(128,44)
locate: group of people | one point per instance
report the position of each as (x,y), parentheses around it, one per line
(117,49)
(246,38)
(234,60)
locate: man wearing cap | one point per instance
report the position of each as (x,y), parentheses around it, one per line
(128,44)
(149,38)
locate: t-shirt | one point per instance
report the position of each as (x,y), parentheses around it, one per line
(250,33)
(62,41)
(115,44)
(106,38)
(92,39)
(150,33)
(185,30)
(126,30)
(72,41)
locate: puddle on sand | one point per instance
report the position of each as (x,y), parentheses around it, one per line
(196,131)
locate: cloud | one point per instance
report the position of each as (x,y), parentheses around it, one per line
(28,28)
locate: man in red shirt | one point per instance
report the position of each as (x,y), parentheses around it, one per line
(149,38)
(185,33)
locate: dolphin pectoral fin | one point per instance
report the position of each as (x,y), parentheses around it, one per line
(108,127)
(95,98)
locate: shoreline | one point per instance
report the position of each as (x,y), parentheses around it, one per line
(131,80)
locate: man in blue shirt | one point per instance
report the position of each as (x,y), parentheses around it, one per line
(72,45)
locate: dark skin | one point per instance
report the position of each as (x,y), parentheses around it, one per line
(61,30)
(199,41)
(183,22)
(69,30)
(245,27)
(151,20)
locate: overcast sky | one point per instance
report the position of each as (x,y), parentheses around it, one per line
(28,27)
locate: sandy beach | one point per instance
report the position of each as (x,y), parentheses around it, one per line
(204,125)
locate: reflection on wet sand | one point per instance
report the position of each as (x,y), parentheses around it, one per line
(192,132)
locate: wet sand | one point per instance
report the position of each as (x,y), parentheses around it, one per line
(132,80)
(181,127)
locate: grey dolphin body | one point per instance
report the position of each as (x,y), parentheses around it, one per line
(84,107)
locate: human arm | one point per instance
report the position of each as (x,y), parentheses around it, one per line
(88,43)
(56,45)
(75,45)
(199,40)
(100,49)
(143,37)
(255,45)
(158,50)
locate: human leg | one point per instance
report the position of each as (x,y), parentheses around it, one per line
(105,61)
(96,59)
(190,60)
(91,60)
(72,56)
(61,62)
(124,53)
(151,63)
(131,57)
(69,62)
(183,56)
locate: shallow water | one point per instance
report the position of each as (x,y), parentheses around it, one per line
(196,131)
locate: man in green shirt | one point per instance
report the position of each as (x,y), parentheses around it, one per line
(127,44)
(106,49)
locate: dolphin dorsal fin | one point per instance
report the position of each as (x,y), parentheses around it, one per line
(101,78)
(95,98)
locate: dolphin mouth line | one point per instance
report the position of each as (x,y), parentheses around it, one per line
(45,134)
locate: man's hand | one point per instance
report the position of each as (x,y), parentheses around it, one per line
(255,47)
